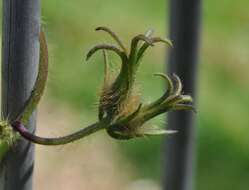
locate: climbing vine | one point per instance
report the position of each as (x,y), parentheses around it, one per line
(121,112)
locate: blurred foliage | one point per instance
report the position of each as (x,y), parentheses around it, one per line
(223,156)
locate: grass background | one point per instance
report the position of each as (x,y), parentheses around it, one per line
(223,88)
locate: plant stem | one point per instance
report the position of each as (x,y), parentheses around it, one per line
(59,140)
(40,82)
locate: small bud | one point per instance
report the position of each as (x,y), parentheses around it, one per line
(119,102)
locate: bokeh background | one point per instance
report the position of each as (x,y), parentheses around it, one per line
(99,162)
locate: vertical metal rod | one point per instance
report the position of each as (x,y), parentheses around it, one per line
(183,59)
(20,58)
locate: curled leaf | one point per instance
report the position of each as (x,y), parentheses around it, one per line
(134,44)
(113,35)
(169,82)
(178,86)
(105,47)
(153,40)
(163,40)
(184,107)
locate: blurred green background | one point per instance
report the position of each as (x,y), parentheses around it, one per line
(223,85)
(223,95)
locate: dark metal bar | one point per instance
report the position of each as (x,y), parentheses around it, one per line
(20,54)
(183,59)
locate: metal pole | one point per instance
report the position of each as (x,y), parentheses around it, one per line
(20,54)
(183,59)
